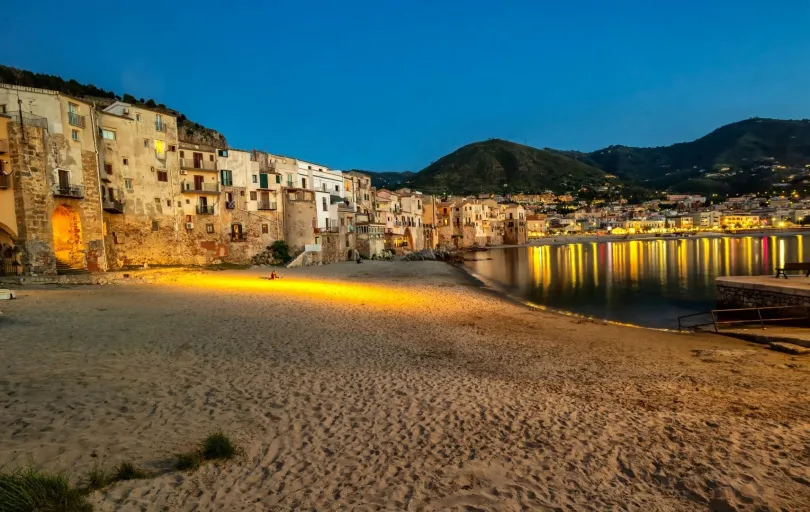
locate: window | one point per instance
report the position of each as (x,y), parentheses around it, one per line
(242,193)
(108,134)
(158,122)
(181,154)
(303,183)
(172,148)
(146,143)
(126,161)
(337,188)
(323,201)
(163,175)
(278,178)
(155,225)
(222,152)
(128,183)
(157,200)
(309,167)
(188,201)
(252,195)
(209,228)
(188,218)
(255,179)
(108,168)
(265,229)
(2,109)
(229,197)
(169,203)
(160,149)
(210,158)
(74,134)
(137,117)
(226,177)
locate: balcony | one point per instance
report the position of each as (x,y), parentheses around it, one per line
(238,237)
(3,146)
(199,188)
(76,120)
(5,181)
(68,190)
(231,205)
(113,205)
(267,167)
(197,165)
(267,205)
(203,209)
(28,119)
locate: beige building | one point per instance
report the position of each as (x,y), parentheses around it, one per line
(515,225)
(54,169)
(140,188)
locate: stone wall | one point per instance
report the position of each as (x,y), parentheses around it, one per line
(33,200)
(749,296)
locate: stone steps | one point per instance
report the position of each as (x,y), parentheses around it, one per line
(788,348)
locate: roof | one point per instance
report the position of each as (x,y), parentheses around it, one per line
(139,107)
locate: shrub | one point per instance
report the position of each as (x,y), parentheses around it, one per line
(128,471)
(217,446)
(97,478)
(188,461)
(280,251)
(32,490)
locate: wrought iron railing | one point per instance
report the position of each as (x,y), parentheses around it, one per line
(267,205)
(76,119)
(203,165)
(238,237)
(205,209)
(191,186)
(67,190)
(113,205)
(28,119)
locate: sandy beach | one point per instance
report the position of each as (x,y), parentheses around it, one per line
(392,386)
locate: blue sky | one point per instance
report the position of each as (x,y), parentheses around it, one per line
(396,84)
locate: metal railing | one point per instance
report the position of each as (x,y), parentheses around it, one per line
(267,205)
(743,316)
(267,167)
(28,119)
(238,237)
(67,190)
(113,205)
(3,145)
(205,209)
(190,186)
(76,120)
(231,205)
(203,165)
(5,180)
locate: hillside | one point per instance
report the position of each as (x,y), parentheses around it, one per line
(387,179)
(188,131)
(501,166)
(746,147)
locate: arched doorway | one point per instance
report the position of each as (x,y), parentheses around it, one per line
(409,238)
(67,237)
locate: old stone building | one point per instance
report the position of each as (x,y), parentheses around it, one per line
(299,218)
(140,188)
(54,176)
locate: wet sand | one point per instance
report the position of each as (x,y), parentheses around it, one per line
(393,386)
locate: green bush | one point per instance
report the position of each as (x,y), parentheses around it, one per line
(280,251)
(217,446)
(188,461)
(128,471)
(33,491)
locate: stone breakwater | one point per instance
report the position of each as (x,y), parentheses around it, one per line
(759,291)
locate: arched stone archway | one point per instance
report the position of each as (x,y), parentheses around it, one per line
(68,246)
(409,238)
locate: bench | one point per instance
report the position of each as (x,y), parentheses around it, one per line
(793,267)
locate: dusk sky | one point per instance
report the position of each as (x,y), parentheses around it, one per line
(393,85)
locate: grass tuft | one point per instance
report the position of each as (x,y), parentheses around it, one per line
(188,461)
(128,471)
(97,478)
(217,446)
(32,490)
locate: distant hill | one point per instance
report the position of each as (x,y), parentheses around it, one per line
(188,131)
(387,179)
(501,166)
(745,146)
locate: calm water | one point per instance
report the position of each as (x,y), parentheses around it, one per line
(645,282)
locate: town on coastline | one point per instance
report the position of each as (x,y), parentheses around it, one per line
(86,188)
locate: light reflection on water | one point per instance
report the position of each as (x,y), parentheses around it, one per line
(642,282)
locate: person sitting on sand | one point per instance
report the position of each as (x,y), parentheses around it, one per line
(274,275)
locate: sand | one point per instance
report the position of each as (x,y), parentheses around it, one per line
(393,386)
